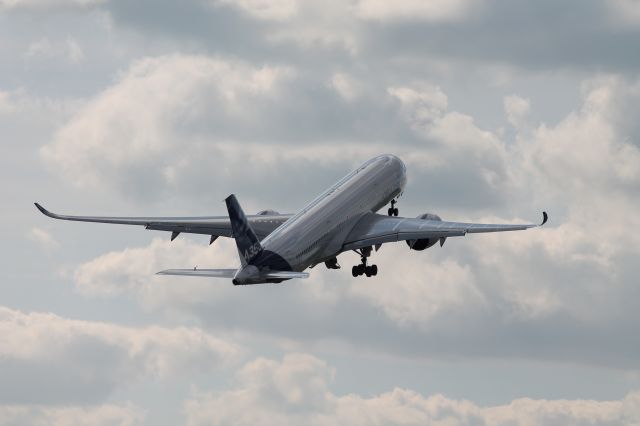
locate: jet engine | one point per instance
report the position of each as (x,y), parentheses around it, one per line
(424,243)
(268,213)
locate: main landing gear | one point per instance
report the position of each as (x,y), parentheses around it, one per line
(363,268)
(393,211)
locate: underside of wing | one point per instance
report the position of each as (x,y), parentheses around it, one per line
(286,275)
(374,229)
(215,273)
(217,226)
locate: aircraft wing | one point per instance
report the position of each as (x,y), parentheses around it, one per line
(216,226)
(374,229)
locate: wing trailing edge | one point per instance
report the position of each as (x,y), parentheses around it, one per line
(214,226)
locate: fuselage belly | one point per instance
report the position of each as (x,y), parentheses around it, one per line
(317,231)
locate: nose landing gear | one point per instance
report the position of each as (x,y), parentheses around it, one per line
(393,211)
(363,268)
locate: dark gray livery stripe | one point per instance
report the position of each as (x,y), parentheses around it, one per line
(272,260)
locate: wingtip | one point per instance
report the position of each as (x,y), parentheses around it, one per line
(42,209)
(545,218)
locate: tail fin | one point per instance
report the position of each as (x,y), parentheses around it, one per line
(246,239)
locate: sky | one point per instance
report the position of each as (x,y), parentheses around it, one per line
(500,110)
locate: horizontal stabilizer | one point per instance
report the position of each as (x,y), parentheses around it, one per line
(286,275)
(216,273)
(230,273)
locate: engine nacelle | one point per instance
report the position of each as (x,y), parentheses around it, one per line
(424,243)
(429,216)
(268,213)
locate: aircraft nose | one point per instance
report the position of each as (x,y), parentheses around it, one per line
(396,161)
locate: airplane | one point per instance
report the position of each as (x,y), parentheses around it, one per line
(275,247)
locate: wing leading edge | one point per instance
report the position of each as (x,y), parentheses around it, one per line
(216,226)
(374,229)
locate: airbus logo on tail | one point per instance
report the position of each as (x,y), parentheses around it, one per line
(252,251)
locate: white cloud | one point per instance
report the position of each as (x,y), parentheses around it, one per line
(101,415)
(415,10)
(132,270)
(42,238)
(420,290)
(20,104)
(297,391)
(345,86)
(625,11)
(74,50)
(87,360)
(269,10)
(325,26)
(517,110)
(44,48)
(424,102)
(140,122)
(412,292)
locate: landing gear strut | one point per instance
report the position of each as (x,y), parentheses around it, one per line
(393,211)
(363,268)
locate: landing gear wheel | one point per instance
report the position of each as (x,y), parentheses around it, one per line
(393,211)
(363,268)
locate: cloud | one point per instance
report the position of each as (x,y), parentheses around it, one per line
(48,4)
(517,110)
(47,359)
(578,36)
(448,287)
(455,152)
(160,127)
(132,271)
(101,415)
(47,49)
(626,12)
(423,103)
(502,286)
(42,238)
(297,390)
(414,10)
(277,10)
(137,125)
(21,105)
(345,86)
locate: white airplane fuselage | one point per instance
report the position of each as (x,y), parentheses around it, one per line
(316,232)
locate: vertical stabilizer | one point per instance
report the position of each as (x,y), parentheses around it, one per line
(246,239)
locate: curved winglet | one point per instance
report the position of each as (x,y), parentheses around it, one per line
(45,211)
(545,217)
